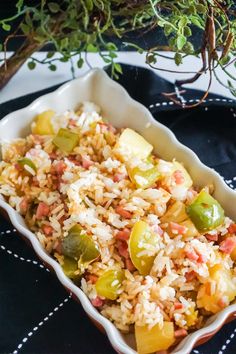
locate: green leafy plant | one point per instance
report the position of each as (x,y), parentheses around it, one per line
(77,27)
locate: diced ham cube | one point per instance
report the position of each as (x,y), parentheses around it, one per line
(107,127)
(129,265)
(122,212)
(228,245)
(181,333)
(60,167)
(42,210)
(86,162)
(17,167)
(123,234)
(177,228)
(53,156)
(72,159)
(212,237)
(97,302)
(178,305)
(232,229)
(72,122)
(103,127)
(47,230)
(118,177)
(111,128)
(190,275)
(202,258)
(178,177)
(192,255)
(123,249)
(92,277)
(222,303)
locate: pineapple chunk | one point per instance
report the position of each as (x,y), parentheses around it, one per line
(175,213)
(191,317)
(154,339)
(131,144)
(42,124)
(191,229)
(224,293)
(187,179)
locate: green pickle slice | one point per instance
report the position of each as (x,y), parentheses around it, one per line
(79,246)
(66,140)
(70,266)
(141,242)
(109,283)
(26,161)
(205,212)
(144,179)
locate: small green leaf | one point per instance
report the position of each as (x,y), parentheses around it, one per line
(80,63)
(28,20)
(151,59)
(118,68)
(1,47)
(161,23)
(181,40)
(111,46)
(226,60)
(89,4)
(188,48)
(31,65)
(196,22)
(92,48)
(172,43)
(201,9)
(50,54)
(168,29)
(52,67)
(182,22)
(112,55)
(64,59)
(25,28)
(106,59)
(64,43)
(187,31)
(6,27)
(53,7)
(178,59)
(191,10)
(19,4)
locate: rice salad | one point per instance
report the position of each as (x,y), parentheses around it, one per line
(153,253)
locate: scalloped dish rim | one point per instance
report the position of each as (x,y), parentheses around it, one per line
(116,338)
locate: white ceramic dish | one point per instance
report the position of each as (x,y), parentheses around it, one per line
(122,111)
